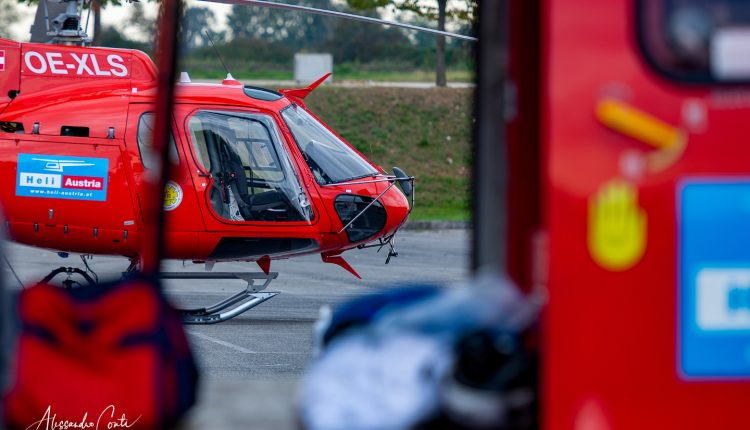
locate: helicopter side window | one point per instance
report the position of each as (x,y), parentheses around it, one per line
(199,143)
(329,158)
(252,178)
(145,142)
(258,156)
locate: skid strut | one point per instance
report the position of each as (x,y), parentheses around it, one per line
(69,272)
(232,306)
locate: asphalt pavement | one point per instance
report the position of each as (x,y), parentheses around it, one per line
(267,349)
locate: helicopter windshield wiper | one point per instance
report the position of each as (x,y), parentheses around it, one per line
(337,14)
(341,181)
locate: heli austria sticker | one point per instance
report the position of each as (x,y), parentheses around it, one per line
(172,196)
(2,60)
(60,177)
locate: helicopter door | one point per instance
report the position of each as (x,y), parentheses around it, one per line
(180,200)
(252,179)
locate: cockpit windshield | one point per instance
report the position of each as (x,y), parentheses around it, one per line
(253,179)
(331,160)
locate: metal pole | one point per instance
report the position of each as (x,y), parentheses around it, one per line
(5,346)
(490,145)
(152,245)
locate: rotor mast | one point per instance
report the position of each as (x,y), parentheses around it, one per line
(65,26)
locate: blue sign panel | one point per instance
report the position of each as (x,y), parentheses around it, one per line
(714,286)
(60,177)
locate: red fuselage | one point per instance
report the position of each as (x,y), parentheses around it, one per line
(74,121)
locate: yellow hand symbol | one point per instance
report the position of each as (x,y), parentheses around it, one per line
(617,226)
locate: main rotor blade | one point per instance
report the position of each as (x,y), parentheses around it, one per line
(314,10)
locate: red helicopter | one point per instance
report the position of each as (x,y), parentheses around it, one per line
(256,176)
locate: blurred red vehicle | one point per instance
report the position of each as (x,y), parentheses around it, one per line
(628,151)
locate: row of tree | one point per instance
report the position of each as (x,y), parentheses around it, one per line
(263,35)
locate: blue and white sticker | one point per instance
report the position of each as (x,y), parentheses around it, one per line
(714,286)
(61,177)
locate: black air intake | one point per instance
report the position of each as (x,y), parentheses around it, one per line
(367,222)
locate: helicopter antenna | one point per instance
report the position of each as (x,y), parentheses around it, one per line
(46,14)
(88,15)
(314,10)
(211,40)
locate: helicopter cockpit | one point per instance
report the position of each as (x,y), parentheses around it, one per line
(253,179)
(330,160)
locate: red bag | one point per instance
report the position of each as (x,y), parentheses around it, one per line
(109,355)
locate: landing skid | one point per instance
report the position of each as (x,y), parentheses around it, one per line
(232,306)
(224,310)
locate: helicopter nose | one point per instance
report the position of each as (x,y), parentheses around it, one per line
(397,206)
(366,218)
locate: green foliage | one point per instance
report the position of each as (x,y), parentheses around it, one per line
(103,3)
(294,29)
(194,21)
(368,4)
(139,21)
(426,132)
(8,16)
(348,41)
(365,43)
(467,12)
(387,72)
(262,42)
(113,38)
(245,58)
(437,10)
